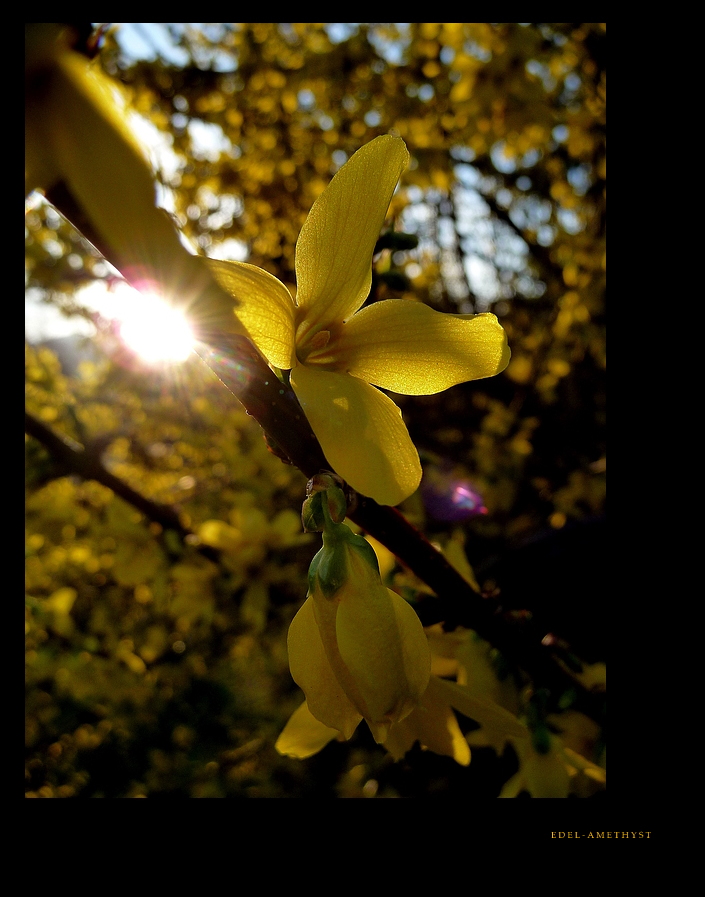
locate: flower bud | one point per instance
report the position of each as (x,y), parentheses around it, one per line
(325,503)
(356,648)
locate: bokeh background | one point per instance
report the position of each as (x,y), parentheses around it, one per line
(156,658)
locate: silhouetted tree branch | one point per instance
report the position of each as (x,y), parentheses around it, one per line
(246,374)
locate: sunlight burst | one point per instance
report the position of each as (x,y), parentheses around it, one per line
(147,325)
(155,331)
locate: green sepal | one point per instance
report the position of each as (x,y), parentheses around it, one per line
(336,504)
(361,546)
(313,570)
(541,740)
(313,518)
(536,709)
(331,570)
(567,699)
(325,503)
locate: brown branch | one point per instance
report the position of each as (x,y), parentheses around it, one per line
(541,254)
(273,404)
(74,458)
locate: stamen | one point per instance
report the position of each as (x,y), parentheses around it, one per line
(319,341)
(319,349)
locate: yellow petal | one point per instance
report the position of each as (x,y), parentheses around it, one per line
(90,144)
(44,42)
(334,249)
(265,308)
(372,638)
(545,775)
(513,786)
(385,650)
(433,725)
(409,348)
(455,555)
(476,672)
(592,770)
(483,710)
(303,735)
(401,737)
(361,432)
(313,674)
(437,726)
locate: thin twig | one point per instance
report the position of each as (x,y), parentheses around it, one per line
(74,458)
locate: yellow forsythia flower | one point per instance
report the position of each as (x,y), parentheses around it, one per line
(356,649)
(340,354)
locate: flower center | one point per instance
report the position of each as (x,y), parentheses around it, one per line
(319,341)
(317,347)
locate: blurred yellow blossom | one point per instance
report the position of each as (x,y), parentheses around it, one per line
(434,725)
(556,772)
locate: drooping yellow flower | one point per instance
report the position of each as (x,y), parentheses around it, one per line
(356,649)
(359,651)
(558,771)
(432,723)
(341,355)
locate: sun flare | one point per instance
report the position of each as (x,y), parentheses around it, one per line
(156,332)
(147,325)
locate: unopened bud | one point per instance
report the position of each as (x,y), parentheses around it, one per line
(325,503)
(313,518)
